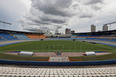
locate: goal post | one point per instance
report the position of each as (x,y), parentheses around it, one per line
(52,47)
(58,46)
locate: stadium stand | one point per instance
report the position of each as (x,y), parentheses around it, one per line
(113,40)
(81,38)
(33,36)
(73,36)
(7,36)
(82,35)
(57,72)
(1,39)
(13,71)
(42,36)
(21,36)
(102,39)
(91,38)
(36,36)
(97,36)
(113,35)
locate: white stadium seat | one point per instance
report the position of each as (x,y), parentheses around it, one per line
(57,72)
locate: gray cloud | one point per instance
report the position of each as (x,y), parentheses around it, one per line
(86,16)
(53,20)
(96,7)
(59,27)
(94,2)
(56,14)
(48,12)
(46,28)
(56,7)
(53,14)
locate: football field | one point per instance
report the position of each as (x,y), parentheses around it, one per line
(57,45)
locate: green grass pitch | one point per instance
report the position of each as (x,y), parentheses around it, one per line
(57,45)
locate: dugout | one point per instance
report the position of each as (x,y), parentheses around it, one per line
(26,53)
(90,53)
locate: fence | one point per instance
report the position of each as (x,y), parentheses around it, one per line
(81,63)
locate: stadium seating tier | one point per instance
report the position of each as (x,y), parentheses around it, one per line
(36,36)
(7,36)
(57,72)
(21,36)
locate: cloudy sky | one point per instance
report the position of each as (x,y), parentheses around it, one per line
(57,14)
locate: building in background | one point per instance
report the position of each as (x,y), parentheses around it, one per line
(105,27)
(35,29)
(56,31)
(39,31)
(72,31)
(93,28)
(67,31)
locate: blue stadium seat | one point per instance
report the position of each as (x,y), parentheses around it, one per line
(102,39)
(21,36)
(91,38)
(113,40)
(1,39)
(96,35)
(7,36)
(82,35)
(80,38)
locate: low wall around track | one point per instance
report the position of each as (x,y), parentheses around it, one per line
(36,63)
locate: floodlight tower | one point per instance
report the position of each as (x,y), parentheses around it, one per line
(5,23)
(110,24)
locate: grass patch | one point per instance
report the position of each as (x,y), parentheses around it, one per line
(22,58)
(94,58)
(52,45)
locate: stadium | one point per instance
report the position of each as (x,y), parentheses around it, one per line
(34,52)
(35,49)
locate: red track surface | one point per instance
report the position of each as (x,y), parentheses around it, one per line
(64,54)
